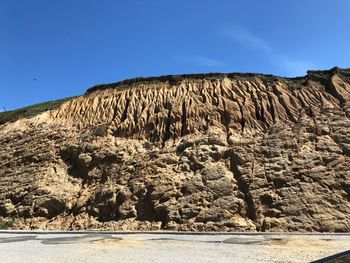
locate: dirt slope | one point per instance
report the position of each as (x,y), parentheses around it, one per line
(217,152)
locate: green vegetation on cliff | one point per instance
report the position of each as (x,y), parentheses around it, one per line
(30,111)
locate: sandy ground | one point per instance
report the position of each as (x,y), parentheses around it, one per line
(157,247)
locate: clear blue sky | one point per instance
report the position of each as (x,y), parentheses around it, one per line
(71,45)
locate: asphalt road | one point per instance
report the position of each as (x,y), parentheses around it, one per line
(168,247)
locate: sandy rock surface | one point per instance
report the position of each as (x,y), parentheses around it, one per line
(217,153)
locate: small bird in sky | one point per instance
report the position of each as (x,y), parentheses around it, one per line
(34,79)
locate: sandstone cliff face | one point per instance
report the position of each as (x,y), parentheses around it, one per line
(234,152)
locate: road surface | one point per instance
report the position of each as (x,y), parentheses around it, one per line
(66,247)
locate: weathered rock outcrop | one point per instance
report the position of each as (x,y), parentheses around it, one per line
(217,152)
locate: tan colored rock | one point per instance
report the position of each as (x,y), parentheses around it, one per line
(222,152)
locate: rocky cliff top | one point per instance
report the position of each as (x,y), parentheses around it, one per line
(221,152)
(176,79)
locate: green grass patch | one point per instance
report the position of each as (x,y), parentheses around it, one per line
(30,111)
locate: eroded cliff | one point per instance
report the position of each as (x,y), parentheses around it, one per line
(221,152)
